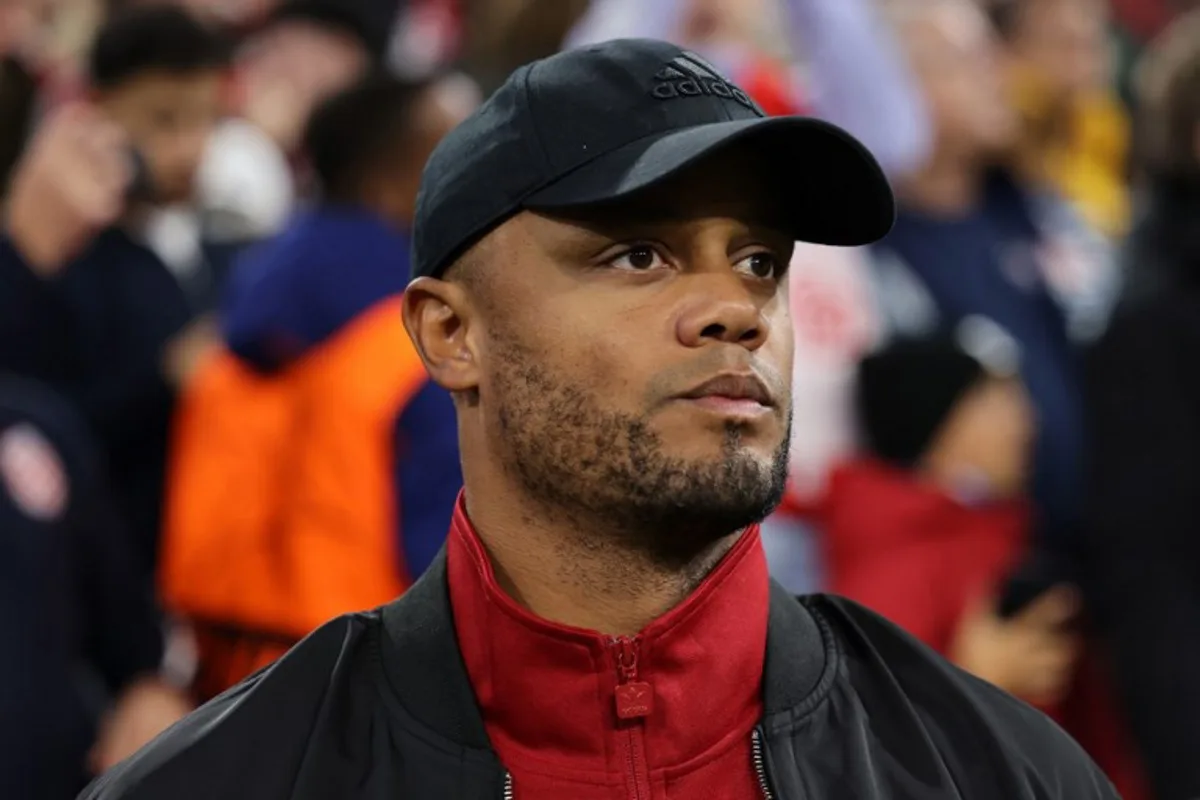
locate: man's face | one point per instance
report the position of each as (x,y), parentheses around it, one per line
(442,107)
(953,52)
(597,335)
(23,25)
(169,118)
(991,432)
(1066,42)
(289,69)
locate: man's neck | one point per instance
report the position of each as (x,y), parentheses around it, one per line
(944,187)
(587,578)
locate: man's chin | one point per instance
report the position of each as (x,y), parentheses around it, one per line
(685,525)
(710,437)
(716,451)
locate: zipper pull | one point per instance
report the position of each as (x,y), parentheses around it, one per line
(635,699)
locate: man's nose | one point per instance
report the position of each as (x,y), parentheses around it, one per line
(721,307)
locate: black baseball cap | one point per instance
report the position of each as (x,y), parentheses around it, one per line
(591,126)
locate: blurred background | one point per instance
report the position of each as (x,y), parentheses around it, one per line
(214,436)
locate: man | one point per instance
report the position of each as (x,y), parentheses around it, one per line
(77,628)
(600,255)
(1143,498)
(972,240)
(21,32)
(302,52)
(926,525)
(261,421)
(86,304)
(1074,129)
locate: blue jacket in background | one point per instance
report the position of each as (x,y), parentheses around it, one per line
(96,333)
(77,621)
(289,295)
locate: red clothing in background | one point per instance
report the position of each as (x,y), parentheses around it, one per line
(905,548)
(1145,19)
(909,551)
(553,697)
(770,84)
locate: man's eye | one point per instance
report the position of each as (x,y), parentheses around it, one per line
(638,259)
(760,265)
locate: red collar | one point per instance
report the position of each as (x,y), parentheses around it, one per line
(549,692)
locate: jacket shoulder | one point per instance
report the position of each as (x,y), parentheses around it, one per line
(251,741)
(984,734)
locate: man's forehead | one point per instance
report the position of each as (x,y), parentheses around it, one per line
(587,229)
(724,187)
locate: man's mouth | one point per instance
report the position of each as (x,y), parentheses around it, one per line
(739,395)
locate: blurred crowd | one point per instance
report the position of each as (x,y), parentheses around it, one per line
(215,435)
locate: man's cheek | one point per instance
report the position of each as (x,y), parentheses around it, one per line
(601,367)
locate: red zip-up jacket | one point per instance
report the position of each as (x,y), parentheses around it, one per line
(576,714)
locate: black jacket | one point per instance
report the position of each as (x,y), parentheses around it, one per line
(378,705)
(96,334)
(1143,510)
(76,625)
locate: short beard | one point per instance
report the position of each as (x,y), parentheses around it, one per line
(607,471)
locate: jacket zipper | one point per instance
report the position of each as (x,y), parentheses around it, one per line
(634,701)
(760,765)
(627,673)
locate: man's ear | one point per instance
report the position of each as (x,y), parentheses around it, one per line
(438,317)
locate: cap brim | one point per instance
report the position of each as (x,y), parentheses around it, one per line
(831,189)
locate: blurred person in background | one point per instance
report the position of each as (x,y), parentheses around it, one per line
(42,46)
(299,54)
(315,466)
(1138,22)
(973,239)
(500,35)
(304,51)
(929,526)
(85,303)
(429,36)
(928,522)
(233,14)
(78,628)
(1074,132)
(1144,399)
(21,22)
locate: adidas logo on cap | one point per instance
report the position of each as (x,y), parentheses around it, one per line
(688,75)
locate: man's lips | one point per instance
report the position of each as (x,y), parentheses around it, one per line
(739,394)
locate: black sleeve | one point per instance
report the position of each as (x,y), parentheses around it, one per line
(123,627)
(36,332)
(993,743)
(120,627)
(1143,519)
(1050,759)
(282,733)
(126,401)
(42,336)
(114,624)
